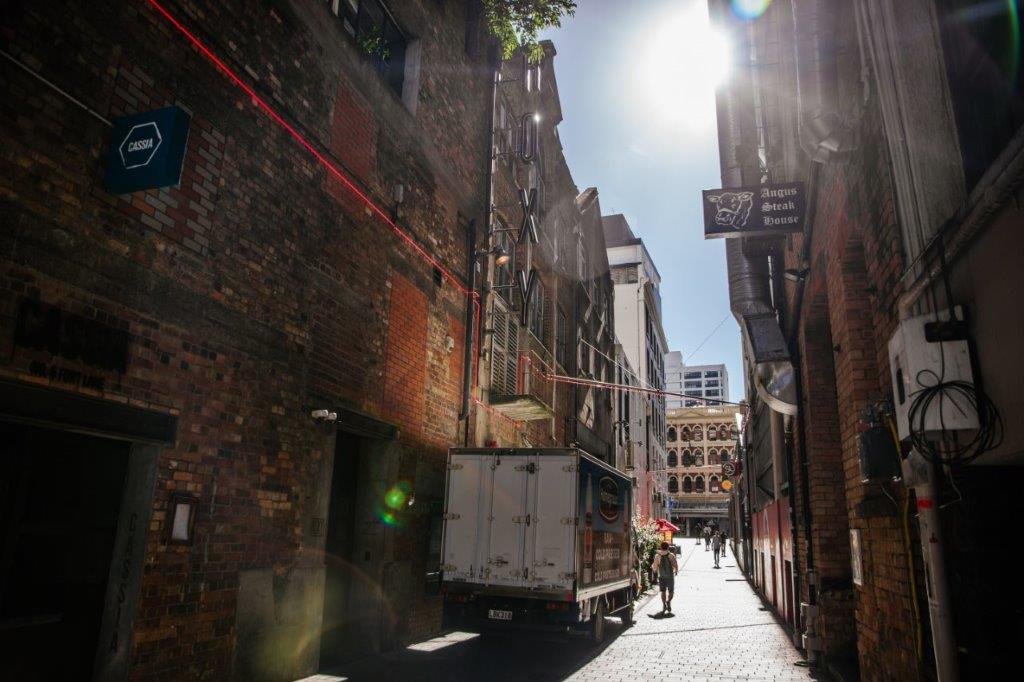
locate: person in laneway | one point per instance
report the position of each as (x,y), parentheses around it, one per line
(666,566)
(725,544)
(707,538)
(716,546)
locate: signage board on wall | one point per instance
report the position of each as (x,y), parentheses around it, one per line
(147,150)
(754,211)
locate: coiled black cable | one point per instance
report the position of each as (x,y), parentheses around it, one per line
(964,396)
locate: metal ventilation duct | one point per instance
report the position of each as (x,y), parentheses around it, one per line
(749,296)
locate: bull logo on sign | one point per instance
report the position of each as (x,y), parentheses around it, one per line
(732,208)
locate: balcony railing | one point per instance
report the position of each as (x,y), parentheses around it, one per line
(534,398)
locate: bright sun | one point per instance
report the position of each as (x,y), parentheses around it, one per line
(683,62)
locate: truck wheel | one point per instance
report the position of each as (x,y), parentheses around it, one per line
(597,627)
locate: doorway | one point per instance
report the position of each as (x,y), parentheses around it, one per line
(60,499)
(340,636)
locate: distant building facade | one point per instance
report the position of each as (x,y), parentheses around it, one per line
(700,440)
(695,381)
(639,331)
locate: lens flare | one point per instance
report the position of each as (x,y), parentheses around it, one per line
(394,501)
(750,9)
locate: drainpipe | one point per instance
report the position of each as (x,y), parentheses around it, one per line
(494,59)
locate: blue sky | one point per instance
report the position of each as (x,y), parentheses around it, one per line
(636,84)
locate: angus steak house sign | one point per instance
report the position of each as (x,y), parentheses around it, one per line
(754,211)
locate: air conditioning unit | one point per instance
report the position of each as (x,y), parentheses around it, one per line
(924,350)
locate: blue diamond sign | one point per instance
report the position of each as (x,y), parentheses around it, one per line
(147,150)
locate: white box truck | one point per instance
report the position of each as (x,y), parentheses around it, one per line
(536,539)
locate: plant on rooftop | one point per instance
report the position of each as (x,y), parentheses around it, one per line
(516,23)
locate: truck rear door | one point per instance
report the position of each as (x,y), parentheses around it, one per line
(506,555)
(467,518)
(551,536)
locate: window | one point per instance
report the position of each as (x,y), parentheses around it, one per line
(980,42)
(713,457)
(693,384)
(716,393)
(673,484)
(712,373)
(687,485)
(712,432)
(698,484)
(673,460)
(698,433)
(535,316)
(687,458)
(370,25)
(698,460)
(724,456)
(503,273)
(693,392)
(711,383)
(563,345)
(713,484)
(504,350)
(691,375)
(672,433)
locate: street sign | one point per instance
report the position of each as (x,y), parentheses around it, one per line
(754,211)
(147,150)
(729,469)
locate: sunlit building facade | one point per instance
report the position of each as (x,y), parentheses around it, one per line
(699,440)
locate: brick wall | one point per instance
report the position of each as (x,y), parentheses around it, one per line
(849,313)
(251,294)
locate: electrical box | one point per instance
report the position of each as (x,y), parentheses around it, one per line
(879,458)
(924,350)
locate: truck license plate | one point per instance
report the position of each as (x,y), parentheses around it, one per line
(499,615)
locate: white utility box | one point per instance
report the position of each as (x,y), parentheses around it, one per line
(917,363)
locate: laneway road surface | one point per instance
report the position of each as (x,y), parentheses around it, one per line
(717,632)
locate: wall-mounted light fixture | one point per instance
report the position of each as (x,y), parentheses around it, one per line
(501,256)
(180,523)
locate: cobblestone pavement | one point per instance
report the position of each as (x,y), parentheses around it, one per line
(718,632)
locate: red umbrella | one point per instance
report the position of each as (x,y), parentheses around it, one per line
(664,525)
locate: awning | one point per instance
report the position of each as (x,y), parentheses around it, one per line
(664,525)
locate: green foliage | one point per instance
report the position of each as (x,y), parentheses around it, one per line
(645,533)
(516,23)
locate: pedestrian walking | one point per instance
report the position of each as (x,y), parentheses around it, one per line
(716,546)
(666,567)
(725,542)
(707,538)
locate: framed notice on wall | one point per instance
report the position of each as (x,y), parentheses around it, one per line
(856,567)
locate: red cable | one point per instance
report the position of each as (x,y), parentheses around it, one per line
(298,137)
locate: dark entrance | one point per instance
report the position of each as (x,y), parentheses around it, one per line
(60,496)
(339,639)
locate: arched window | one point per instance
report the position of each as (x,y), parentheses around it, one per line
(698,459)
(698,433)
(673,484)
(712,432)
(698,485)
(713,457)
(687,434)
(687,458)
(673,460)
(725,456)
(672,433)
(725,431)
(713,484)
(687,485)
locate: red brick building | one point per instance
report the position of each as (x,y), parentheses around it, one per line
(171,508)
(903,121)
